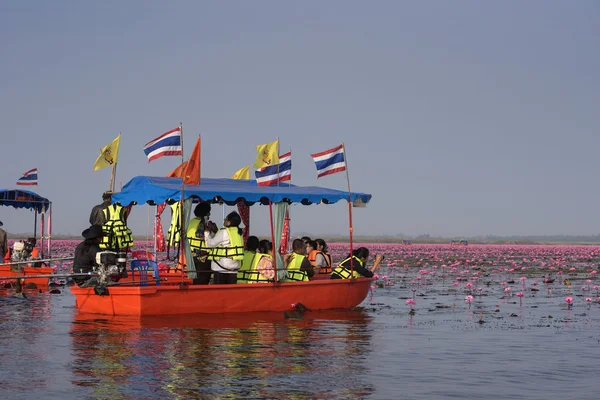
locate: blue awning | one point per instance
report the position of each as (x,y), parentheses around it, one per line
(24,199)
(157,190)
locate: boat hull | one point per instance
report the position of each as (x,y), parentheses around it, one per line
(41,283)
(212,299)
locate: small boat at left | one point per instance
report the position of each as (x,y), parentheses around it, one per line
(22,267)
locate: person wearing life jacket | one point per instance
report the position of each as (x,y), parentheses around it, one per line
(195,235)
(298,267)
(263,265)
(245,274)
(322,247)
(227,248)
(359,259)
(97,216)
(262,268)
(117,236)
(317,258)
(34,253)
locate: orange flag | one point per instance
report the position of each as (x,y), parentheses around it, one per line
(176,173)
(191,171)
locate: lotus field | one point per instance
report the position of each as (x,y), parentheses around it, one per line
(479,278)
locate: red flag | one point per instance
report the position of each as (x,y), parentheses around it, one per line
(285,234)
(159,238)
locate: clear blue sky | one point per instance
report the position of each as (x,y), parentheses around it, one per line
(461,118)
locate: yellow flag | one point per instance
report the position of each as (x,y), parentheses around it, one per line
(108,155)
(268,154)
(243,174)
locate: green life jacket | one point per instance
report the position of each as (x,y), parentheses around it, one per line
(197,244)
(235,250)
(117,236)
(293,269)
(246,266)
(174,233)
(344,271)
(251,275)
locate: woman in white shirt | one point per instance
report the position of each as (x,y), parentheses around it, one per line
(227,248)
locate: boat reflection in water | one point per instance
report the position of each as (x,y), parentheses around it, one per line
(25,323)
(264,355)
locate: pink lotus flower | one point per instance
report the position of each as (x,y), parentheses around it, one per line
(569,301)
(588,299)
(520,294)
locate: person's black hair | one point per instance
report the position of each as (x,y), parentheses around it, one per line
(298,244)
(235,220)
(312,244)
(305,239)
(252,243)
(321,242)
(265,246)
(31,240)
(361,252)
(202,210)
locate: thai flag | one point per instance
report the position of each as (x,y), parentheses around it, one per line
(330,161)
(167,144)
(277,173)
(29,178)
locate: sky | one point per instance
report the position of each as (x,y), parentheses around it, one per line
(461,118)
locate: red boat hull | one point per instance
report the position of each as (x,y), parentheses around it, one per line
(240,298)
(39,282)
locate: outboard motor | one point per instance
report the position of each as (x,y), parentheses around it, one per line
(111,266)
(20,252)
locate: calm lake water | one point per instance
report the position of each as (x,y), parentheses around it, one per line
(379,351)
(493,348)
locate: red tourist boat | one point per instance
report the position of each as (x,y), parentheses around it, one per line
(171,297)
(42,206)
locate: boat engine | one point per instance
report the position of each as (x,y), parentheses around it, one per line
(111,266)
(21,251)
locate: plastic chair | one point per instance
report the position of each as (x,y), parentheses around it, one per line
(143,266)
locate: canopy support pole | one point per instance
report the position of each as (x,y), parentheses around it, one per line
(273,240)
(349,211)
(34,223)
(42,233)
(50,231)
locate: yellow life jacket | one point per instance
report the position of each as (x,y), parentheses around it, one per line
(117,236)
(235,250)
(246,266)
(174,233)
(197,244)
(251,275)
(344,271)
(293,269)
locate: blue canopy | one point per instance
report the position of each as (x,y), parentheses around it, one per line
(157,190)
(24,199)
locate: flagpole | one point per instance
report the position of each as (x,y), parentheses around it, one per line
(349,209)
(288,249)
(113,176)
(278,165)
